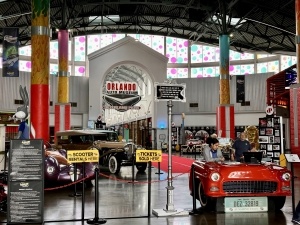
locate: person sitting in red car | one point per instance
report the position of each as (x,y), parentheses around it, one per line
(212,153)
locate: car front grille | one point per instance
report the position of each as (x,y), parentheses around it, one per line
(249,186)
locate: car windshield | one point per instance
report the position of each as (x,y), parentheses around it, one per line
(106,137)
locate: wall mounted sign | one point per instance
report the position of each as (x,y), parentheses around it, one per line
(121,96)
(166,92)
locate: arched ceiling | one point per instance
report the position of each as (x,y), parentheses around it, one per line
(256,25)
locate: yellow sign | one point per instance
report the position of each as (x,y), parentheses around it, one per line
(148,155)
(78,156)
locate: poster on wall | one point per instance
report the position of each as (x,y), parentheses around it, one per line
(10,55)
(240,88)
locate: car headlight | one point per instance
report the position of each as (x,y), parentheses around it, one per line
(215,176)
(50,169)
(286,176)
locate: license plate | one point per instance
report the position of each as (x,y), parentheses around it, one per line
(246,204)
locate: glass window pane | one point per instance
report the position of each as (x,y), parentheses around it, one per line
(197,72)
(176,50)
(53,69)
(209,71)
(158,44)
(209,54)
(26,50)
(93,43)
(79,48)
(262,67)
(79,71)
(196,54)
(247,69)
(24,65)
(53,50)
(234,69)
(247,56)
(286,61)
(177,73)
(233,55)
(273,66)
(260,56)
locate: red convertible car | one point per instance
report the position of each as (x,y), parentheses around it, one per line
(228,186)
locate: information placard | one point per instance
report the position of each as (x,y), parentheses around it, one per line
(78,156)
(148,156)
(166,92)
(26,182)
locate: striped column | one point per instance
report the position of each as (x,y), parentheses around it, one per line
(39,104)
(62,117)
(63,108)
(295,118)
(225,111)
(225,121)
(224,69)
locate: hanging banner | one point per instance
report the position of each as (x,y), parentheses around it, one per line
(10,56)
(240,88)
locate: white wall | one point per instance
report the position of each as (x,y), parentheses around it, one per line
(241,119)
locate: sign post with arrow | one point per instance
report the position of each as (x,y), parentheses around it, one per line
(169,92)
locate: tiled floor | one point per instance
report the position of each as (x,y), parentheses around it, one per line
(122,201)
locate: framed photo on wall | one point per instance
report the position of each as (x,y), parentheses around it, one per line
(276,139)
(276,154)
(262,131)
(270,147)
(263,139)
(270,122)
(276,147)
(263,146)
(269,131)
(277,133)
(271,139)
(262,122)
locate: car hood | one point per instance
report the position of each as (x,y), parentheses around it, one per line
(245,171)
(109,144)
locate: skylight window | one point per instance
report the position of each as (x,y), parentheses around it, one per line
(109,19)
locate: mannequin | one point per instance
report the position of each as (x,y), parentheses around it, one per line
(22,115)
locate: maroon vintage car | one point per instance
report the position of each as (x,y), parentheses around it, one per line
(217,185)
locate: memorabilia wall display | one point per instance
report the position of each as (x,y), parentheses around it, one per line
(270,137)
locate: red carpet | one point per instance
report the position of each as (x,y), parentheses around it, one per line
(179,164)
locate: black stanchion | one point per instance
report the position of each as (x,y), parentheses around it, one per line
(149,187)
(75,194)
(194,211)
(158,169)
(83,192)
(96,220)
(132,172)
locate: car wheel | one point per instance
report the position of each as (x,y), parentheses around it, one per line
(113,165)
(205,201)
(276,203)
(141,167)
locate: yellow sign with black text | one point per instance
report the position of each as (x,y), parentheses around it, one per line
(79,156)
(148,156)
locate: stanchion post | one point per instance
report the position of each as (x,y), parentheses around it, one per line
(75,194)
(149,188)
(83,191)
(194,211)
(96,220)
(158,169)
